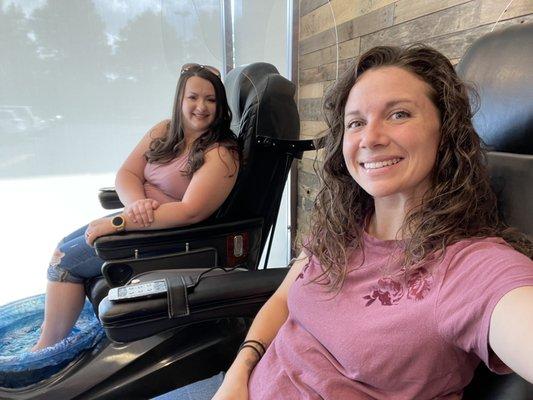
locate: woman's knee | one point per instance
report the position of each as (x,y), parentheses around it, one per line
(74,261)
(56,273)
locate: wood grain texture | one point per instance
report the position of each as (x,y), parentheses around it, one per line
(302,222)
(365,24)
(336,13)
(306,6)
(310,109)
(346,50)
(490,11)
(317,42)
(312,129)
(310,155)
(407,10)
(307,165)
(326,16)
(311,91)
(327,72)
(307,178)
(455,45)
(454,19)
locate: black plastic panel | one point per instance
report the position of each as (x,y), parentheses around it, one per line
(150,243)
(119,272)
(233,294)
(500,67)
(512,180)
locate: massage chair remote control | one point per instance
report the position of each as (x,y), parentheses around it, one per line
(138,291)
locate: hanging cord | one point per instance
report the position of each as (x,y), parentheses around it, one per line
(501,15)
(171,66)
(204,274)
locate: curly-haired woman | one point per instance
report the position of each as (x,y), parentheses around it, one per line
(179,174)
(408,278)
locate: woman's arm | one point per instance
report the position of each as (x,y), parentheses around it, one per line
(209,187)
(511,331)
(264,328)
(130,176)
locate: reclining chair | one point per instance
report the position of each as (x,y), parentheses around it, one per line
(499,67)
(160,355)
(267,122)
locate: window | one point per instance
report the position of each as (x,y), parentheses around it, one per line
(80,83)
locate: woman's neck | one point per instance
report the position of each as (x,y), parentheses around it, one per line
(387,222)
(190,137)
(385,227)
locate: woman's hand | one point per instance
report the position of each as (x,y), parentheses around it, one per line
(142,211)
(98,227)
(232,388)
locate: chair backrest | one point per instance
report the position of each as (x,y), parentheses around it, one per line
(499,65)
(264,115)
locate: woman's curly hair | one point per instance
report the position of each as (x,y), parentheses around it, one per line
(164,149)
(460,203)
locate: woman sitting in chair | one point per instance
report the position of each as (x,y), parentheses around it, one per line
(179,174)
(408,278)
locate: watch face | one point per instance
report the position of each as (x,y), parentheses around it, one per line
(117,221)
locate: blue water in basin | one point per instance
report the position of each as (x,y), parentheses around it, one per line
(20,327)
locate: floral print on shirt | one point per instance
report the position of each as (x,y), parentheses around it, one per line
(390,291)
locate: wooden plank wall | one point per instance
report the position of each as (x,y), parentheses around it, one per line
(448,25)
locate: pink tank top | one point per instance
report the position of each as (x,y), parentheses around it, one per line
(166,182)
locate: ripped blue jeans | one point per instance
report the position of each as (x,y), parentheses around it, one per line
(74,260)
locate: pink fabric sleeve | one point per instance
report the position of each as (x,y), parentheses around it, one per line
(477,277)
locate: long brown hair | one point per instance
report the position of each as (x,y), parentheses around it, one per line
(164,149)
(460,203)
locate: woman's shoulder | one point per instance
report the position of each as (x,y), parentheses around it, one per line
(487,245)
(484,254)
(225,149)
(159,130)
(223,156)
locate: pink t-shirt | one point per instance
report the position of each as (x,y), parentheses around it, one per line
(166,182)
(380,338)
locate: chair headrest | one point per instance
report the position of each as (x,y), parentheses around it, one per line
(263,101)
(500,67)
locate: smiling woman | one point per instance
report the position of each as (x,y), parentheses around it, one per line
(199,105)
(409,278)
(178,174)
(391,136)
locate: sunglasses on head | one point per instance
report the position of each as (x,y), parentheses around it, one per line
(189,66)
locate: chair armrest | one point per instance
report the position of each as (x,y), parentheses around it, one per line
(228,295)
(109,198)
(487,385)
(134,244)
(294,147)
